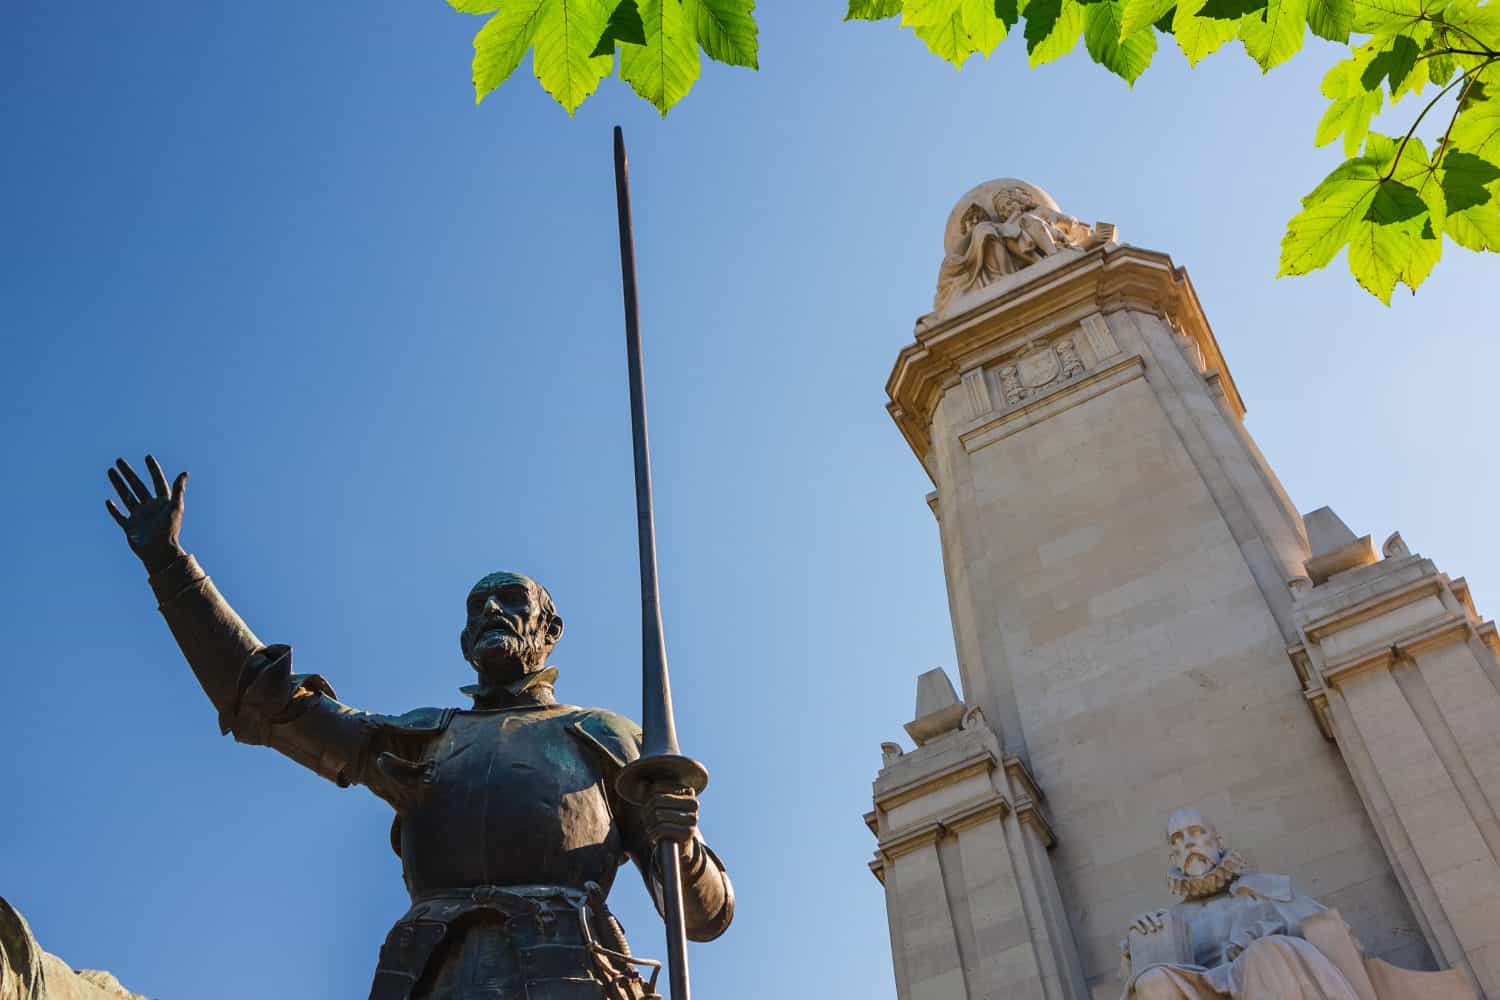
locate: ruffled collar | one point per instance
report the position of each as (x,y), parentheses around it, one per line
(1212,882)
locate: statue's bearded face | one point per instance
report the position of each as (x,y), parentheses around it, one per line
(1011,201)
(512,626)
(1193,842)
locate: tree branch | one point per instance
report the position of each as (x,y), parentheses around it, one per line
(1456,52)
(1443,145)
(1396,160)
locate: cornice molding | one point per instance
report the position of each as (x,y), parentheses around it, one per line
(980,762)
(914,839)
(1373,607)
(1024,786)
(951,823)
(1106,279)
(1432,634)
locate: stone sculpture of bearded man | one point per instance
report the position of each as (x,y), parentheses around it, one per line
(1000,228)
(1235,933)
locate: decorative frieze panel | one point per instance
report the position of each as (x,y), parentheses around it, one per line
(1038,369)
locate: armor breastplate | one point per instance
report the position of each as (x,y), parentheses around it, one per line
(513,798)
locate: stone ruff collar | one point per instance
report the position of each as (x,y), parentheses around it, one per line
(1230,867)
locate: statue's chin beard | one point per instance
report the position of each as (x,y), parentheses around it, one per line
(1215,880)
(508,660)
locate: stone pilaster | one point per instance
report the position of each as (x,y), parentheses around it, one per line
(1403,674)
(973,906)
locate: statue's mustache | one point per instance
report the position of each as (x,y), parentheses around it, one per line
(501,626)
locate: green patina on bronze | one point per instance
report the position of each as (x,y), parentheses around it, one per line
(507,821)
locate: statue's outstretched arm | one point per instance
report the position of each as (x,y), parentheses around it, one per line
(251,685)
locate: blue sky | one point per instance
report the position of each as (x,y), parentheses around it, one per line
(277,244)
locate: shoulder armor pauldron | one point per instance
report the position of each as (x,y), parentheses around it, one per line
(613,738)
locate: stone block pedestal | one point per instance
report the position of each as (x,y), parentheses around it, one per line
(1402,673)
(973,906)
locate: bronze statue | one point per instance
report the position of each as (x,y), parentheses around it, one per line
(508,824)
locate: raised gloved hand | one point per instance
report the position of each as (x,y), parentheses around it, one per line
(151,521)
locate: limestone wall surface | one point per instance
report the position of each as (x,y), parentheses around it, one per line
(1117,554)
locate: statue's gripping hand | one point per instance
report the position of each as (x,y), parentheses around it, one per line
(153,517)
(671,816)
(1149,922)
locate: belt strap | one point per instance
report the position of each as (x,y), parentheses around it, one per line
(526,896)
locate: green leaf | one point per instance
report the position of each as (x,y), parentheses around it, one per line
(1052,29)
(1331,19)
(1276,36)
(947,39)
(1471,186)
(665,68)
(1393,64)
(504,39)
(1400,237)
(872,10)
(1390,218)
(1389,246)
(985,25)
(1231,10)
(1351,118)
(474,6)
(1353,106)
(924,13)
(564,59)
(726,30)
(1138,14)
(624,26)
(1415,171)
(1197,36)
(1328,217)
(1127,57)
(1440,68)
(1008,11)
(1164,23)
(1474,24)
(1477,130)
(1391,17)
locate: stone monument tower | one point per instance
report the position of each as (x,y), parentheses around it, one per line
(1144,621)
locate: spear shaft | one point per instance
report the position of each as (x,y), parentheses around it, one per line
(661,766)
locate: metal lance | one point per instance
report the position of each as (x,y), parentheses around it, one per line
(661,767)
